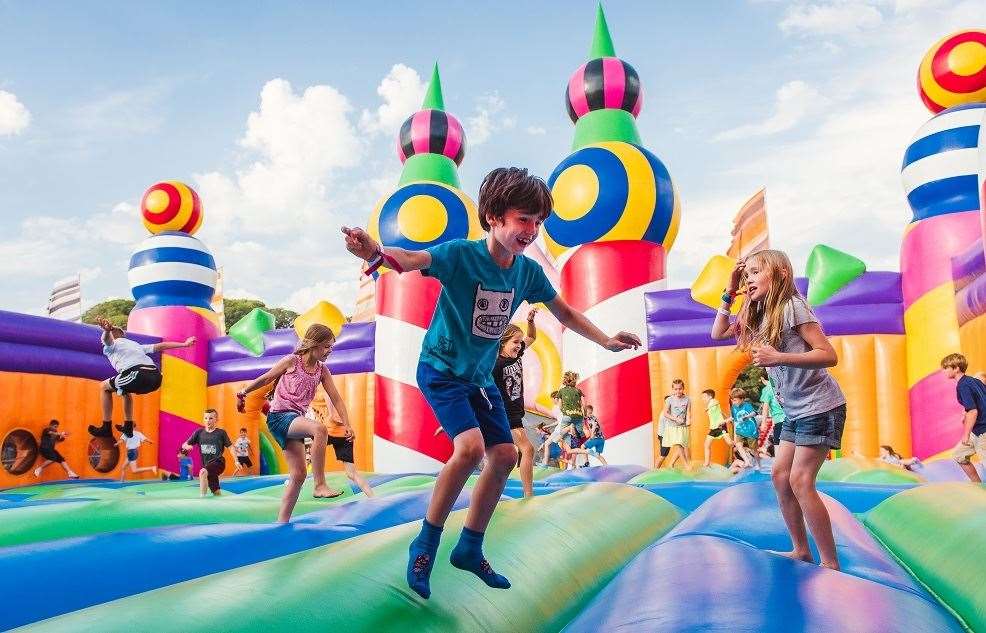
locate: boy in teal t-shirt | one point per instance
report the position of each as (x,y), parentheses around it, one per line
(483,283)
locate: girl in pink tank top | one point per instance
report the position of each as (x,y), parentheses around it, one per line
(298,376)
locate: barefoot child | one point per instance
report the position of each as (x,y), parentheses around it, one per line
(298,376)
(678,417)
(49,437)
(717,424)
(132,445)
(211,442)
(136,373)
(483,283)
(780,330)
(508,374)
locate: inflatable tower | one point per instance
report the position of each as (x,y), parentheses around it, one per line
(427,208)
(615,218)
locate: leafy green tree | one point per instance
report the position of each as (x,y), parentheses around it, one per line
(283,317)
(114,310)
(749,381)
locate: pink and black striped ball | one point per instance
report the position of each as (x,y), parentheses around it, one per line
(604,83)
(432,132)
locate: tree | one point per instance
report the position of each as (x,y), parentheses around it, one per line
(283,317)
(236,309)
(115,310)
(749,381)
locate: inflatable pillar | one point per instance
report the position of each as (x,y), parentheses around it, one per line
(172,277)
(427,209)
(616,215)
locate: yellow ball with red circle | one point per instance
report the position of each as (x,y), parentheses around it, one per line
(953,72)
(423,214)
(171,206)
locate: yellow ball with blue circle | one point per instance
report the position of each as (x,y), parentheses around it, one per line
(423,214)
(611,191)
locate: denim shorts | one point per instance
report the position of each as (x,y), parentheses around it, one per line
(594,444)
(460,405)
(823,429)
(279,422)
(131,454)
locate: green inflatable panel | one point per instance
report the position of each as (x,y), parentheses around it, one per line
(829,271)
(676,474)
(269,454)
(249,330)
(884,476)
(938,532)
(554,564)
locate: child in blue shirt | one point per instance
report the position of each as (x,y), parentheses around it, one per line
(744,418)
(184,465)
(483,284)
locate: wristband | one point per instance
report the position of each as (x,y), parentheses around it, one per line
(381,259)
(724,312)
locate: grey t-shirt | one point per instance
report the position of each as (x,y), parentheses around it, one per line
(679,406)
(802,392)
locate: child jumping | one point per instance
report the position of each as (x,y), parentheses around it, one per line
(971,394)
(780,330)
(132,444)
(594,431)
(136,373)
(50,436)
(508,375)
(298,376)
(211,442)
(717,424)
(483,283)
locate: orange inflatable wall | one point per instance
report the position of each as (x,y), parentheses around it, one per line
(973,339)
(871,371)
(31,400)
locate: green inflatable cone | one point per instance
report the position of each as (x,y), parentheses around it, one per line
(830,270)
(249,330)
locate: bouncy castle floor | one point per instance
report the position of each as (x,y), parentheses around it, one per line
(597,549)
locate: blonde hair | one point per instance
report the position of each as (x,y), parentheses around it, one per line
(508,333)
(316,335)
(762,321)
(955,361)
(569,378)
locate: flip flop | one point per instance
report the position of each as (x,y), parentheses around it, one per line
(341,492)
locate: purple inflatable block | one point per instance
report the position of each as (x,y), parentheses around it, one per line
(347,361)
(27,329)
(284,341)
(674,305)
(970,301)
(33,359)
(875,287)
(969,264)
(682,335)
(879,318)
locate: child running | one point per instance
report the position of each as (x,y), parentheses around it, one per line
(132,445)
(483,283)
(298,376)
(136,373)
(508,374)
(242,450)
(717,424)
(780,330)
(211,442)
(744,419)
(50,436)
(971,394)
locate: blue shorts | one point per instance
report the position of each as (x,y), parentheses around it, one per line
(279,422)
(824,429)
(460,405)
(554,451)
(131,454)
(596,444)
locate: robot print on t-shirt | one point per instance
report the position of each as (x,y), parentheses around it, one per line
(491,312)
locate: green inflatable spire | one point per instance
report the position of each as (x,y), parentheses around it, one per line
(609,124)
(602,43)
(434,167)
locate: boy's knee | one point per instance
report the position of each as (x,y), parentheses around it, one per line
(297,478)
(472,451)
(503,457)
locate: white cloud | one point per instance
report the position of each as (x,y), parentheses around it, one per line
(836,18)
(795,101)
(240,293)
(488,119)
(536,130)
(402,91)
(120,225)
(340,293)
(14,116)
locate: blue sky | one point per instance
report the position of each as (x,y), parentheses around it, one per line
(283,117)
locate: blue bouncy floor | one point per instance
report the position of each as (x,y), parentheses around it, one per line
(594,551)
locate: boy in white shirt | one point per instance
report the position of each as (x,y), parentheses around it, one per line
(132,443)
(136,373)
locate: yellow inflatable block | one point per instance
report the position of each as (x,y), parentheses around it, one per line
(183,388)
(932,328)
(710,283)
(322,312)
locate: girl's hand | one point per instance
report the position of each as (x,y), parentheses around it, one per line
(766,356)
(350,433)
(531,315)
(736,278)
(360,244)
(622,341)
(241,402)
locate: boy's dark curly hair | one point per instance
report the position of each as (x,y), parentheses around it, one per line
(512,188)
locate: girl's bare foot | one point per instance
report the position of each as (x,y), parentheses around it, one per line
(796,555)
(324,492)
(831,565)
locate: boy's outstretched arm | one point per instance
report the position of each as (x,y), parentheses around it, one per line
(360,244)
(578,323)
(165,345)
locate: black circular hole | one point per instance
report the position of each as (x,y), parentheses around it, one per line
(104,455)
(18,452)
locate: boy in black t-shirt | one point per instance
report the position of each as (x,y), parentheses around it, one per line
(508,374)
(49,437)
(211,441)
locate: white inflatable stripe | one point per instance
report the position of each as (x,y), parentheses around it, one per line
(171,271)
(625,312)
(950,121)
(397,349)
(394,458)
(172,241)
(958,162)
(636,446)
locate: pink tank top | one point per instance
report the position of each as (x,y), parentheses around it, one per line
(296,388)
